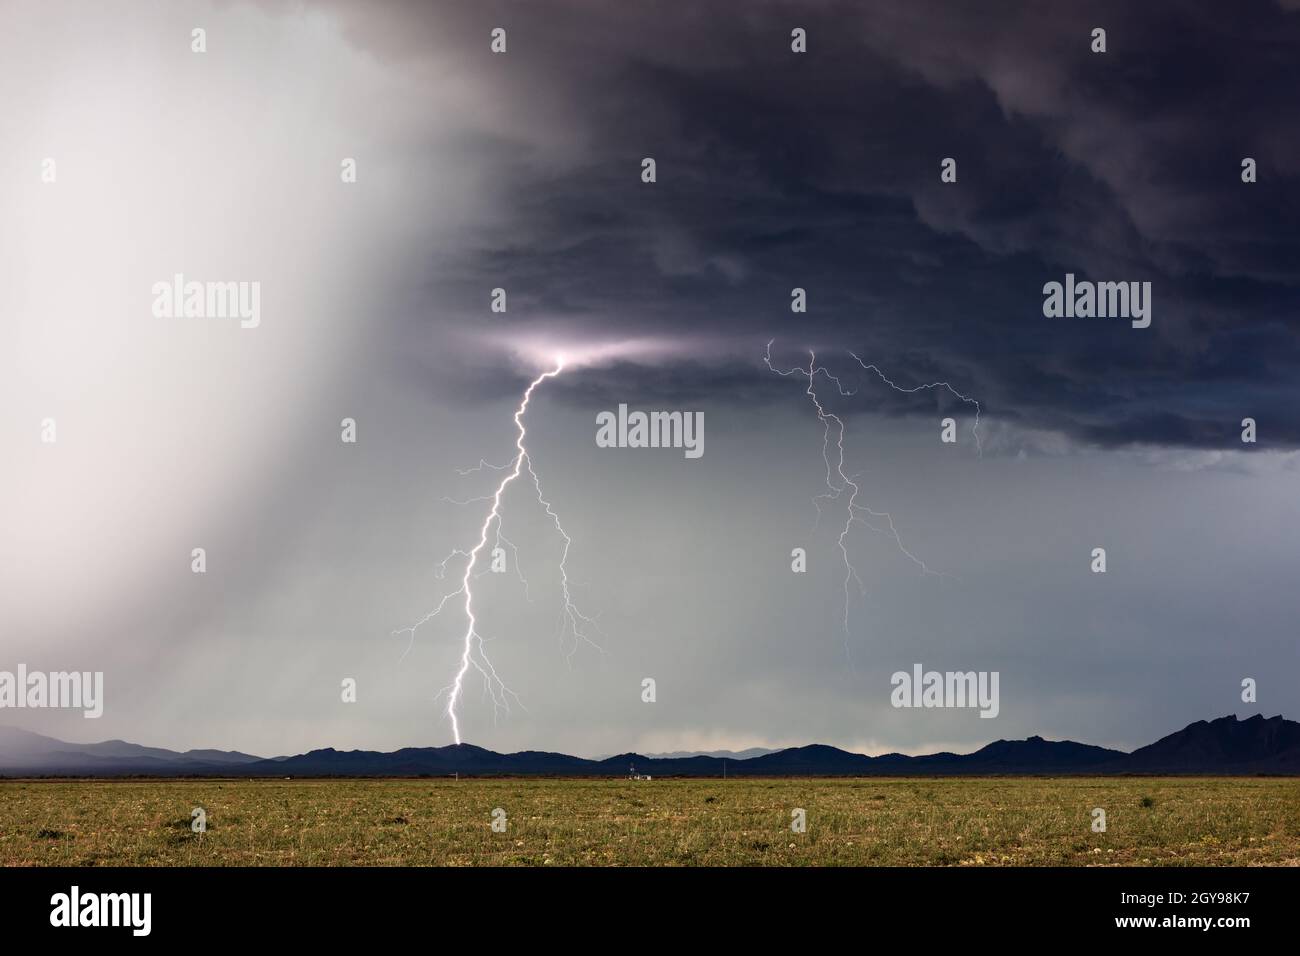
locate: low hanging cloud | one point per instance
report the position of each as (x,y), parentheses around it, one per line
(821,171)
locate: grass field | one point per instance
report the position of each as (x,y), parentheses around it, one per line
(966,822)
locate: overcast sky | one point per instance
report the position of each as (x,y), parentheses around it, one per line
(523,171)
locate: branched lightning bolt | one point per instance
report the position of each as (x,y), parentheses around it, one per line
(834,491)
(572,621)
(975,429)
(473,654)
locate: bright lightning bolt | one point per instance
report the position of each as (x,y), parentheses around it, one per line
(572,620)
(834,491)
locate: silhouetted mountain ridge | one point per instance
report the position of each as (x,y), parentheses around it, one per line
(26,753)
(1254,745)
(1257,745)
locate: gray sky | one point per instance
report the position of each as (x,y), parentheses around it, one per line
(522,171)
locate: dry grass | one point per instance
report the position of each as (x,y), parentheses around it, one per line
(980,822)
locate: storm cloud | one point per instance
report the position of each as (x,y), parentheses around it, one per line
(522,171)
(821,171)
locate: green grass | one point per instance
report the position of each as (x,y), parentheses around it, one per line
(947,821)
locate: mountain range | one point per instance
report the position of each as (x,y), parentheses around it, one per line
(728,754)
(1257,745)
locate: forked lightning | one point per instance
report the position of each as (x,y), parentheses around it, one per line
(835,471)
(572,620)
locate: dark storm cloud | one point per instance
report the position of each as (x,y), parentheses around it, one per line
(521,171)
(822,171)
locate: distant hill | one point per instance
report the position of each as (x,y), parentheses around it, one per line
(1226,745)
(1223,746)
(27,754)
(722,754)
